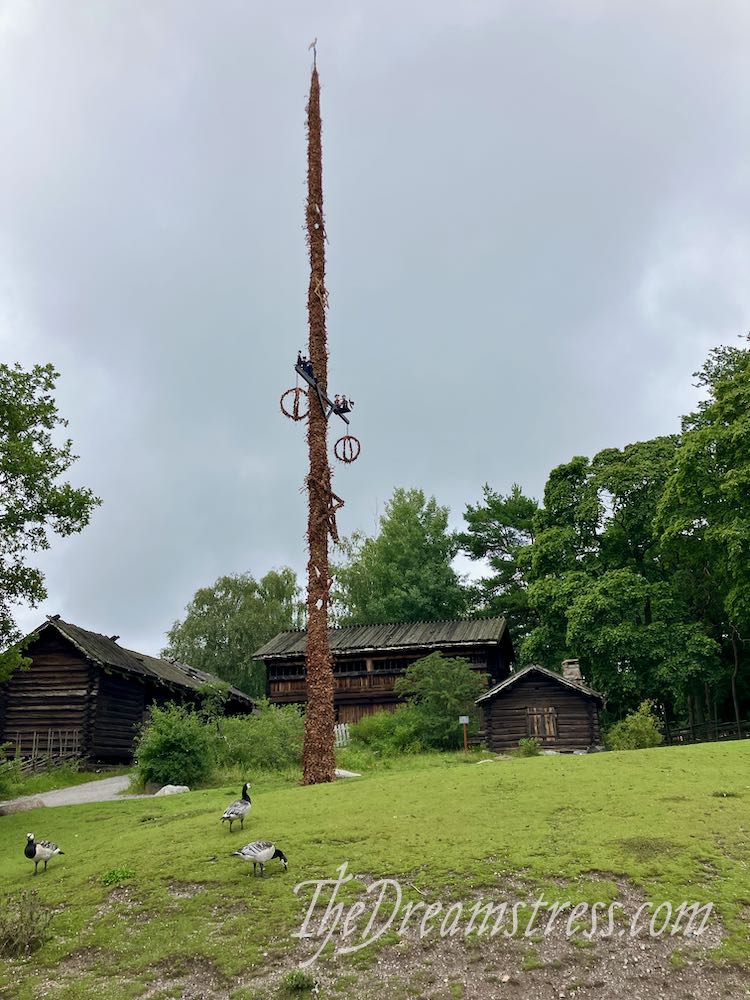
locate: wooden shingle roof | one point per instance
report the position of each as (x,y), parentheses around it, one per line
(535,668)
(105,652)
(391,636)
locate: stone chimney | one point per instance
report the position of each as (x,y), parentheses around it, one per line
(572,670)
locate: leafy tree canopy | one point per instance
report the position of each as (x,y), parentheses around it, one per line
(599,584)
(442,689)
(224,624)
(703,515)
(587,574)
(706,500)
(501,531)
(404,573)
(34,503)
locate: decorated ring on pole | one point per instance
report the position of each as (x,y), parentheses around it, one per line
(290,403)
(347,449)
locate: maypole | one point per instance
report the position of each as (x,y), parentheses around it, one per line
(318,758)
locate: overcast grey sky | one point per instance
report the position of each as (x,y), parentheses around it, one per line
(539,224)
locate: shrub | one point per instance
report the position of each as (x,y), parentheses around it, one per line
(389,733)
(174,747)
(214,696)
(116,875)
(298,981)
(636,731)
(24,924)
(10,775)
(438,690)
(441,688)
(527,747)
(268,741)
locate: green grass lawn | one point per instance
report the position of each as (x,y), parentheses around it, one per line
(674,821)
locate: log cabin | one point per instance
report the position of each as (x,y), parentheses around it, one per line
(367,659)
(85,695)
(558,710)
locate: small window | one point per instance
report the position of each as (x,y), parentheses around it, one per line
(391,665)
(542,723)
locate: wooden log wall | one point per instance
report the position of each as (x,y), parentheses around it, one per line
(53,694)
(506,717)
(366,685)
(353,713)
(120,709)
(65,700)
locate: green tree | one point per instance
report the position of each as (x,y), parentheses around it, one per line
(561,560)
(637,640)
(441,689)
(34,503)
(601,588)
(405,572)
(224,624)
(501,531)
(704,513)
(638,560)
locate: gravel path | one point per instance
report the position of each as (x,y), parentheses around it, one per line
(103,790)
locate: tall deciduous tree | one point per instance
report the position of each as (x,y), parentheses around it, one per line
(638,561)
(600,585)
(404,573)
(34,503)
(225,623)
(704,513)
(501,530)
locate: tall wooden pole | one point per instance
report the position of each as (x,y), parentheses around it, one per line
(318,758)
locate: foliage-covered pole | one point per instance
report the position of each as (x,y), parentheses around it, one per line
(318,758)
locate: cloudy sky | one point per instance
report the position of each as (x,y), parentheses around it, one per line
(539,223)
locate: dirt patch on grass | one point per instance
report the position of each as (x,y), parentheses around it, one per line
(547,966)
(78,961)
(123,897)
(73,966)
(185,890)
(193,980)
(124,901)
(644,848)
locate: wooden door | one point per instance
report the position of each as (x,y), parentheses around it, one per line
(542,723)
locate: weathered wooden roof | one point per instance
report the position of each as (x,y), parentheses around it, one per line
(391,636)
(106,652)
(535,668)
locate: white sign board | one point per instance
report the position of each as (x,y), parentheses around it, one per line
(463,720)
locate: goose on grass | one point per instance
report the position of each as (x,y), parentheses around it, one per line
(239,809)
(260,852)
(40,850)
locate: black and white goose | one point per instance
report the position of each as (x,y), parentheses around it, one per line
(260,852)
(40,850)
(239,809)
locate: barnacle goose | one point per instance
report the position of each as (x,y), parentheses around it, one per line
(40,850)
(260,852)
(239,809)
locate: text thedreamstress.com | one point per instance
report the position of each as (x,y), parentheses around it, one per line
(353,926)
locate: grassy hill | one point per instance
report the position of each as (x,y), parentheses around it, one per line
(148,900)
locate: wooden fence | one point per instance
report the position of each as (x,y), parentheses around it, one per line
(709,732)
(342,734)
(48,747)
